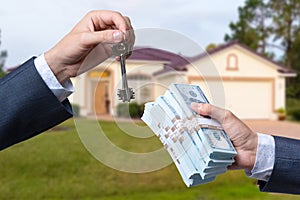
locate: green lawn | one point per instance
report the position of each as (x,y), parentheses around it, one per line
(55,165)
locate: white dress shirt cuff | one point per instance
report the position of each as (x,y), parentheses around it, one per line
(265,158)
(61,91)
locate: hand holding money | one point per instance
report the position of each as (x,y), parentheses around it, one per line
(243,138)
(198,146)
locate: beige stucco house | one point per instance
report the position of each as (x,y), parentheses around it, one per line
(231,76)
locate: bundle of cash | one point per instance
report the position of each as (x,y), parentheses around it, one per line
(199,147)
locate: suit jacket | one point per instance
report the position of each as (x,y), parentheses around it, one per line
(27,106)
(285,177)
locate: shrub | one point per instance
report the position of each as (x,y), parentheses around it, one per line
(2,73)
(141,110)
(295,113)
(281,110)
(133,110)
(122,110)
(293,108)
(76,110)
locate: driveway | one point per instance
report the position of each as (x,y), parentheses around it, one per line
(272,127)
(281,128)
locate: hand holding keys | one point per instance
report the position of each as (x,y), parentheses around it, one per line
(122,50)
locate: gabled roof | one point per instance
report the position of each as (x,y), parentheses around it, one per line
(178,62)
(171,60)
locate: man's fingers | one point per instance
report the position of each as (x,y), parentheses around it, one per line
(209,110)
(107,36)
(128,22)
(199,108)
(120,22)
(100,20)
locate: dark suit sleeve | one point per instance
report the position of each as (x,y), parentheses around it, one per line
(285,177)
(27,106)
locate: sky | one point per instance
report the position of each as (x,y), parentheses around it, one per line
(31,27)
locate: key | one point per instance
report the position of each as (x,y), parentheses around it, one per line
(121,49)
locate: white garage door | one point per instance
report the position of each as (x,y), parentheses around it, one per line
(246,99)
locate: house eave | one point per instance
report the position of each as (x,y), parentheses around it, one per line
(288,75)
(168,73)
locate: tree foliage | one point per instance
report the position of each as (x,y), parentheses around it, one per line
(268,25)
(285,25)
(293,89)
(3,55)
(211,46)
(263,25)
(251,29)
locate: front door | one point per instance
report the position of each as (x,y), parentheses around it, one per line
(101,99)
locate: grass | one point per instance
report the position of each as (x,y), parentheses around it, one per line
(55,165)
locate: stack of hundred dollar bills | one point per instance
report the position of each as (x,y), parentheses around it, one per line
(198,146)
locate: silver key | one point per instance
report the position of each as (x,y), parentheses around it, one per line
(122,50)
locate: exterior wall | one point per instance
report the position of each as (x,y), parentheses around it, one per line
(242,96)
(249,65)
(233,78)
(280,93)
(79,96)
(85,85)
(163,82)
(228,86)
(137,68)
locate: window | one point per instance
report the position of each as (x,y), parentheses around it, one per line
(232,62)
(142,87)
